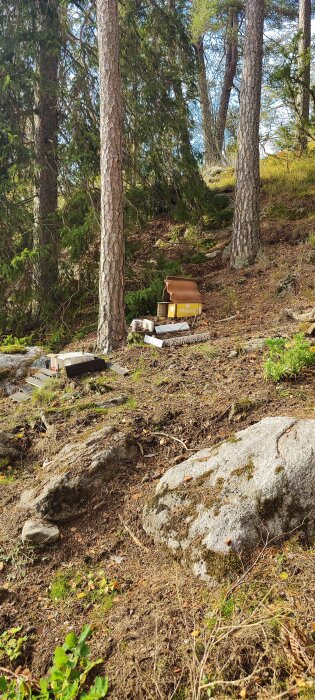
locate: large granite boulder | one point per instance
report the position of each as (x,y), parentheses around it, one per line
(77,473)
(225,502)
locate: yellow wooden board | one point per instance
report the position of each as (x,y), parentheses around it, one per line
(183,310)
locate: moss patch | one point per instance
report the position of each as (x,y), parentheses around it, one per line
(221,566)
(246,470)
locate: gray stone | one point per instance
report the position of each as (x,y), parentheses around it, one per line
(255,345)
(227,252)
(9,454)
(226,501)
(5,437)
(40,362)
(8,361)
(39,532)
(214,254)
(78,472)
(112,401)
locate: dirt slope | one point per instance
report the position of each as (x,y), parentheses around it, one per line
(160,632)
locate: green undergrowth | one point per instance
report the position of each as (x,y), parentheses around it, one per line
(67,679)
(11,644)
(87,586)
(10,345)
(143,302)
(288,358)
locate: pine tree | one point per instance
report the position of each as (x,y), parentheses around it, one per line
(305,9)
(45,241)
(111,323)
(246,233)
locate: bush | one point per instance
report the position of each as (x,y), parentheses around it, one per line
(11,345)
(144,301)
(67,678)
(287,358)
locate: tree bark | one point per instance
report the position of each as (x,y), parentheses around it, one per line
(246,233)
(231,59)
(304,66)
(185,143)
(111,322)
(45,235)
(212,153)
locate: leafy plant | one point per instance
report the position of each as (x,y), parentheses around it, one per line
(66,678)
(12,345)
(88,587)
(287,358)
(60,587)
(11,644)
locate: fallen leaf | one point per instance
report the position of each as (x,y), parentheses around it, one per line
(195,633)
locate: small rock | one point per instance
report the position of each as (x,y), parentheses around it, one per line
(214,254)
(5,438)
(255,344)
(9,454)
(113,401)
(40,362)
(38,532)
(288,283)
(227,252)
(161,416)
(81,469)
(311,331)
(9,388)
(232,354)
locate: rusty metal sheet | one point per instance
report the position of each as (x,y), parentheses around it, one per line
(180,289)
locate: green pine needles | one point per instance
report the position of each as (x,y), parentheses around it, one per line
(288,358)
(67,678)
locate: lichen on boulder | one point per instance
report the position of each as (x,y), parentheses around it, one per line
(223,503)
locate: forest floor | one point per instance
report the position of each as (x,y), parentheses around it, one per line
(162,633)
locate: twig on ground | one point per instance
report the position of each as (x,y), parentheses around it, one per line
(172,437)
(132,535)
(228,318)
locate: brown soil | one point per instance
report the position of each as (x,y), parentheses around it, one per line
(165,635)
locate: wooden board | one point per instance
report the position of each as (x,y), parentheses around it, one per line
(47,372)
(20,397)
(96,365)
(172,328)
(35,382)
(186,340)
(42,377)
(117,368)
(151,340)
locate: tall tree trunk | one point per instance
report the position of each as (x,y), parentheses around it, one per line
(212,153)
(185,144)
(111,322)
(229,73)
(246,234)
(45,237)
(305,11)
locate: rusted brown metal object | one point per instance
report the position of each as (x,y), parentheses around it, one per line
(179,289)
